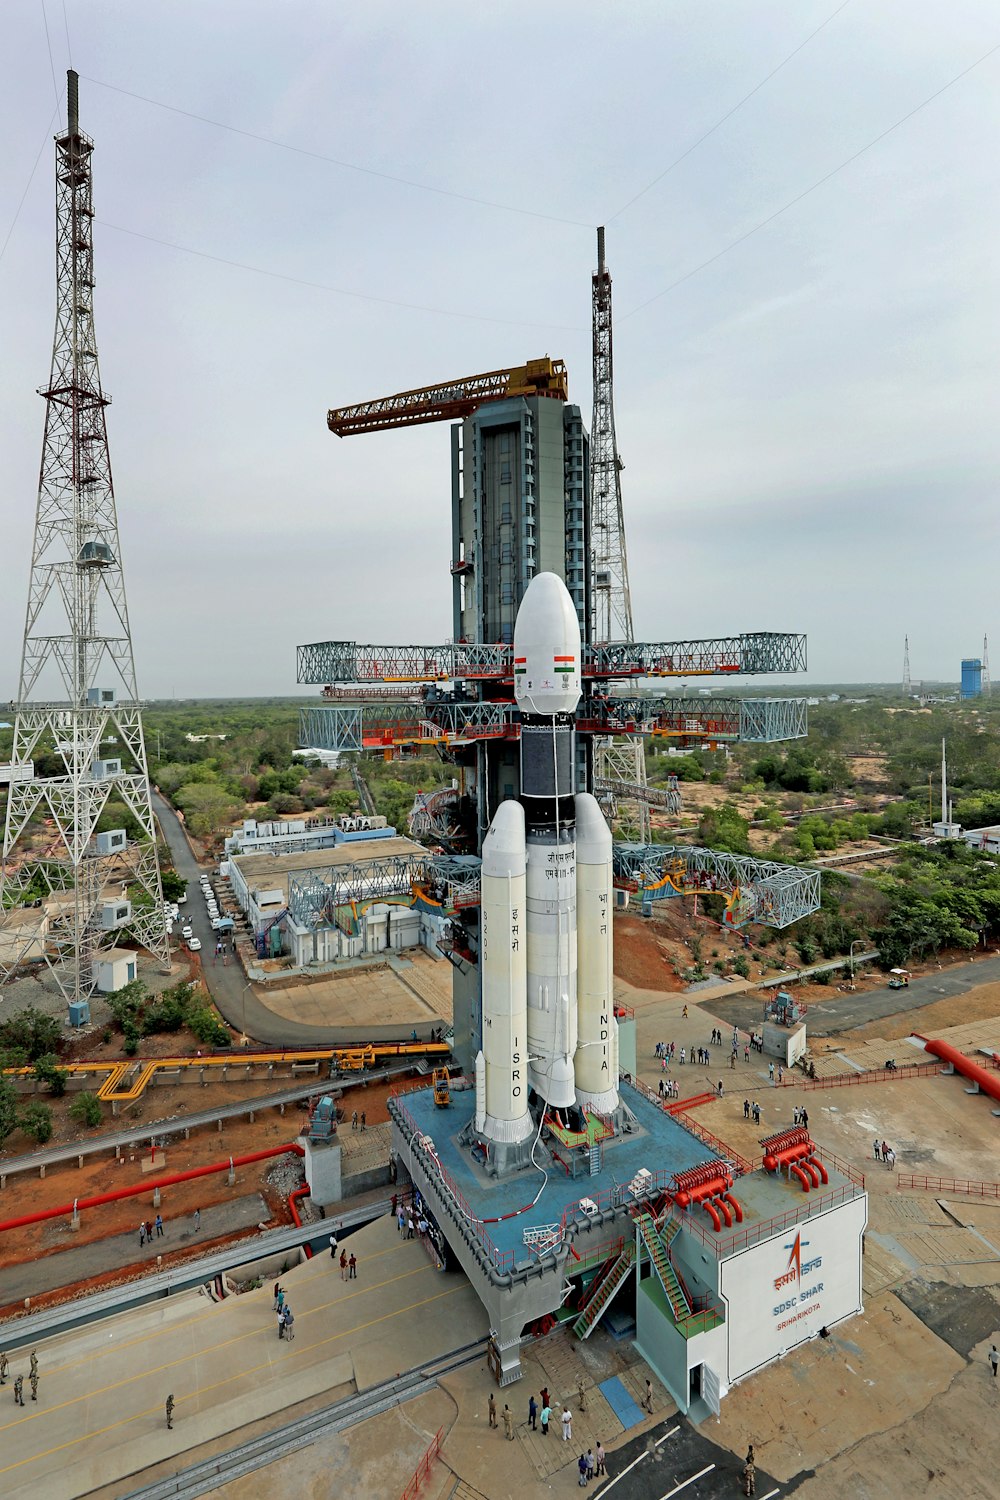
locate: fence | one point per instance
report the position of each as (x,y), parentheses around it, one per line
(423,1469)
(948,1185)
(723,1245)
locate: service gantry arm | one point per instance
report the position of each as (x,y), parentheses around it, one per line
(451,399)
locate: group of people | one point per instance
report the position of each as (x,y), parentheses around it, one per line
(591,1463)
(286,1318)
(669,1089)
(883,1152)
(800,1116)
(19,1379)
(147,1229)
(751,1111)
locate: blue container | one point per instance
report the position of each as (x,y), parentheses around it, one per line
(972,677)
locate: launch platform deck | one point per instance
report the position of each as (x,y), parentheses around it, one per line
(505,1208)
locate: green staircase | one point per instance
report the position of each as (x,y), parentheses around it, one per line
(600,1300)
(657,1249)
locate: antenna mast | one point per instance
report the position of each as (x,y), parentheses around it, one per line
(77,709)
(907,686)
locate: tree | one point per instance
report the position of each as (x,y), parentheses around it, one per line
(36,1121)
(206,808)
(174,885)
(47,1071)
(31,1034)
(8,1109)
(86,1110)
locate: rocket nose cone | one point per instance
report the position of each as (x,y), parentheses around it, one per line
(594,844)
(547,648)
(503,846)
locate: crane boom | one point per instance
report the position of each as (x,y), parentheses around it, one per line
(451,399)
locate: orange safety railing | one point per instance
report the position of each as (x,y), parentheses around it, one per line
(720,1148)
(423,1469)
(948,1185)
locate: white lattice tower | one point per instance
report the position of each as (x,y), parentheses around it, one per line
(77,710)
(986,667)
(612,599)
(620,785)
(906,667)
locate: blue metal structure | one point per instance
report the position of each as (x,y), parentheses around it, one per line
(972,677)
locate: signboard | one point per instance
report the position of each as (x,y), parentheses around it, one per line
(782,1292)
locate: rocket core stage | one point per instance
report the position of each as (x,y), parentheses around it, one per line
(546,934)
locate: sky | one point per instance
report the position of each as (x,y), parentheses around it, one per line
(805,363)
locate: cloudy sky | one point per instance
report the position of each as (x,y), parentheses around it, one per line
(805,390)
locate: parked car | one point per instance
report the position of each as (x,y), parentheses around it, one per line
(186,931)
(194,944)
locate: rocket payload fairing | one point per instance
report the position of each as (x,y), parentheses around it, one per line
(546,944)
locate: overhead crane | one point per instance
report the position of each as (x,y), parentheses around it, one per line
(451,400)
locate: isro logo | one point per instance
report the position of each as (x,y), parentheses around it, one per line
(797,1267)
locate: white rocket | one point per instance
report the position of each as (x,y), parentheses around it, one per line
(546,945)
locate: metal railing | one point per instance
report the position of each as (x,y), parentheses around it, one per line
(423,1469)
(948,1185)
(723,1245)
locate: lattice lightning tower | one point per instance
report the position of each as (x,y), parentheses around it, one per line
(77,703)
(612,600)
(906,667)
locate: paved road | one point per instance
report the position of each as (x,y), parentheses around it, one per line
(227,983)
(829,1018)
(47,1273)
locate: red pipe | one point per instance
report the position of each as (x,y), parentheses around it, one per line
(723,1208)
(800,1175)
(299,1192)
(148,1187)
(709,1208)
(808,1167)
(736,1208)
(814,1161)
(988,1082)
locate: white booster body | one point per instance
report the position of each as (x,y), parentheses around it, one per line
(552,1020)
(503,955)
(597,1030)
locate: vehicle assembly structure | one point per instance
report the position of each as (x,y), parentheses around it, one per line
(77,710)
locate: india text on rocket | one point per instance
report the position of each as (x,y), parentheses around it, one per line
(549,1029)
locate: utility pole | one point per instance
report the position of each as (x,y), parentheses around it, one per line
(77,710)
(986,668)
(907,686)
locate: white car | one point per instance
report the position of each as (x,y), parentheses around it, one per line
(186,931)
(218,922)
(181,899)
(194,945)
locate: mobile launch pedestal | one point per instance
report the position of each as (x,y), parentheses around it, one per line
(550,1039)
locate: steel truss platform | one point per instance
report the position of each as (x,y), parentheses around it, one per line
(359,726)
(758,890)
(325,663)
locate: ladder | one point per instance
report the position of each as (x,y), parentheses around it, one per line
(666,1275)
(606,1289)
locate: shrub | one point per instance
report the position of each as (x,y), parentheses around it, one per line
(30,1034)
(208,1028)
(36,1121)
(46,1071)
(741,967)
(86,1110)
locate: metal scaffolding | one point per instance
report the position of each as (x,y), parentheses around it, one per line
(612,600)
(368,726)
(326,663)
(757,890)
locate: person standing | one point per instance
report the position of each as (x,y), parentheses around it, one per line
(197,1218)
(749,1478)
(647,1400)
(994,1359)
(876,1148)
(19,1390)
(352,1267)
(401,1218)
(492,1410)
(600,1471)
(804,1118)
(393,1209)
(508,1423)
(354,1120)
(409,1226)
(591,1462)
(289,1319)
(770,1072)
(170,1411)
(158,1226)
(567,1424)
(4,1367)
(581,1464)
(546,1414)
(142,1233)
(33,1362)
(33,1377)
(333,1246)
(533,1413)
(746,1109)
(343,1265)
